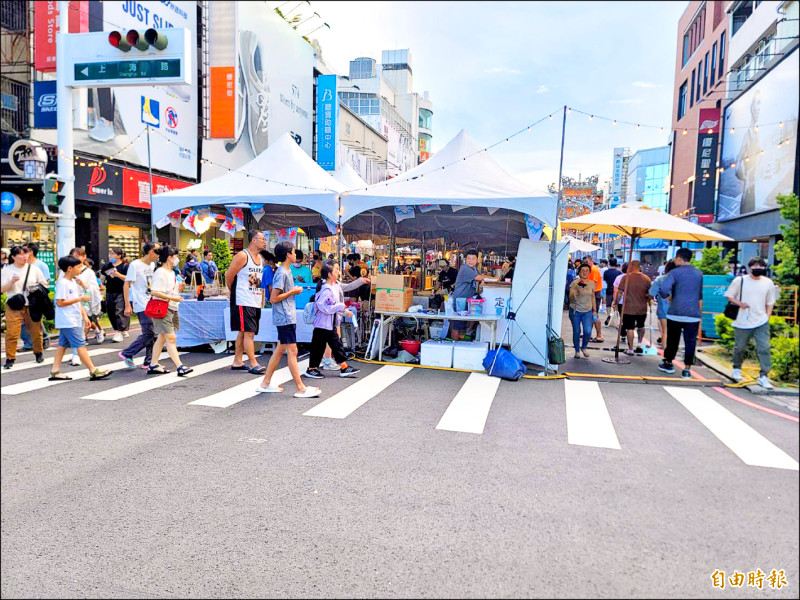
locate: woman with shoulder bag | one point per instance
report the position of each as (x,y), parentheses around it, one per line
(114,271)
(163,309)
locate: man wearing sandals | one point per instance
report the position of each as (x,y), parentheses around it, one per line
(285,319)
(71,320)
(243,278)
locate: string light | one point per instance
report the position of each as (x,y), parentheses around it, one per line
(614,124)
(781,124)
(637,126)
(733,130)
(591,117)
(684,132)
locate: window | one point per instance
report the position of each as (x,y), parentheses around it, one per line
(694,35)
(699,80)
(740,15)
(691,96)
(686,53)
(705,75)
(713,63)
(682,100)
(721,55)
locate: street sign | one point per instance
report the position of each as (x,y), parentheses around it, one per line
(97,61)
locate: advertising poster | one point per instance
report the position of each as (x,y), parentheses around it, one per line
(706,166)
(274,88)
(764,157)
(111,118)
(327,121)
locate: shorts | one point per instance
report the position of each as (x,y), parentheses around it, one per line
(245,318)
(598,299)
(169,324)
(633,322)
(287,334)
(71,337)
(609,299)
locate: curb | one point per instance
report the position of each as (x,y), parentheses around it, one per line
(714,365)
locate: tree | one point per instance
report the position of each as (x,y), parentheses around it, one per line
(713,261)
(221,251)
(787,250)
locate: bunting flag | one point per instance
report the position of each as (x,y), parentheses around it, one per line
(287,235)
(237,216)
(203,211)
(492,210)
(173,218)
(257,211)
(458,207)
(188,222)
(535,227)
(329,224)
(401,213)
(228,226)
(423,208)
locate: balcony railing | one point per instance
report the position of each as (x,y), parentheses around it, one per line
(14,15)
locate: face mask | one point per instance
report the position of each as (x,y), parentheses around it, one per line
(758,272)
(112,260)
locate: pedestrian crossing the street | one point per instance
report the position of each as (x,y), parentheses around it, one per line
(32,364)
(588,421)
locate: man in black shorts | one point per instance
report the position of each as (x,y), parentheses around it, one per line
(243,278)
(635,286)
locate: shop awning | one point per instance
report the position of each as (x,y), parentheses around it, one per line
(9,222)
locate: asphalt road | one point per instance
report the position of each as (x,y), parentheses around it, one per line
(147,495)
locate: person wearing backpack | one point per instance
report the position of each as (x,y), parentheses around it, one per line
(327,309)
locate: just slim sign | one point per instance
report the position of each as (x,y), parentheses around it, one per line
(706,168)
(327,117)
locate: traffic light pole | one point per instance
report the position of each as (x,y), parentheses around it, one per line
(153,231)
(65,223)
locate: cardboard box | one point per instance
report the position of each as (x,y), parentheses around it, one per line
(389,300)
(389,282)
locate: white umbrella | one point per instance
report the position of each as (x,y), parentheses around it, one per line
(576,245)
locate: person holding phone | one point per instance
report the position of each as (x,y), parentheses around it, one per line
(582,310)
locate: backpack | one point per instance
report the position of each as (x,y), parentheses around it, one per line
(309,312)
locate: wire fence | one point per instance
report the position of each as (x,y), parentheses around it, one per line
(786,306)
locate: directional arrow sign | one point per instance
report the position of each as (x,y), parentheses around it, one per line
(85,71)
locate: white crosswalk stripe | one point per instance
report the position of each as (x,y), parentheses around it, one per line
(341,405)
(588,421)
(246,390)
(32,364)
(744,441)
(153,382)
(469,410)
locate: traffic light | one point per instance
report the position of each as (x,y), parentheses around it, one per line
(133,38)
(53,191)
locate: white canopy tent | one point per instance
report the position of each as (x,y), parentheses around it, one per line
(281,174)
(576,245)
(349,178)
(458,175)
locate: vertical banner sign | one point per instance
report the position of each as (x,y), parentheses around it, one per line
(45,23)
(222,69)
(45,104)
(706,167)
(327,116)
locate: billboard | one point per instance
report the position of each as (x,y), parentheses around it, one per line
(758,154)
(706,165)
(45,103)
(274,88)
(327,121)
(112,121)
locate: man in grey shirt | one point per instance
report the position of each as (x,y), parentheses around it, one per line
(466,285)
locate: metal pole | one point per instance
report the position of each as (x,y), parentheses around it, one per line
(553,237)
(65,223)
(153,232)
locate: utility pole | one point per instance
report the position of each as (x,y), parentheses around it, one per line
(153,231)
(65,222)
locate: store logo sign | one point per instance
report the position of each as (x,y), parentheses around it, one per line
(97,177)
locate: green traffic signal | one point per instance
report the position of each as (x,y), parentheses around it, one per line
(53,192)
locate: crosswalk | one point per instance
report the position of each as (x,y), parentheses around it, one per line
(588,420)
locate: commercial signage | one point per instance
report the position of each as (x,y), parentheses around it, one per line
(45,104)
(136,187)
(9,202)
(327,121)
(110,117)
(706,165)
(223,80)
(273,92)
(759,143)
(45,28)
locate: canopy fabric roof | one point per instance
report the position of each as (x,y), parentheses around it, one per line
(9,222)
(283,162)
(576,245)
(349,178)
(639,220)
(470,178)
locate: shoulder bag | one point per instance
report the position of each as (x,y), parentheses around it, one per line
(731,309)
(156,308)
(17,301)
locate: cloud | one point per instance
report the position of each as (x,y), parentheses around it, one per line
(646,84)
(626,101)
(502,70)
(542,89)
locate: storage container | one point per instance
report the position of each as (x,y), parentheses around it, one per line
(434,353)
(469,355)
(435,329)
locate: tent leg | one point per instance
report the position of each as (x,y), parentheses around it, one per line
(617,359)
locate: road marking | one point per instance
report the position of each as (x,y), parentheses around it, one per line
(32,364)
(246,390)
(744,441)
(588,421)
(469,410)
(153,382)
(341,405)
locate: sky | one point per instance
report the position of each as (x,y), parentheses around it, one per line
(493,68)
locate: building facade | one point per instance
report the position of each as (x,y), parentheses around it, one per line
(648,177)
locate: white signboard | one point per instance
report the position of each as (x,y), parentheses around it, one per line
(275,88)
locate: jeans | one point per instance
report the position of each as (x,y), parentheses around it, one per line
(578,320)
(26,337)
(674,329)
(761,335)
(145,340)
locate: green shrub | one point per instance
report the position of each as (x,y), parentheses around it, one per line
(785,359)
(221,251)
(779,328)
(713,261)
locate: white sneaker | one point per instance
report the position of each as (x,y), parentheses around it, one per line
(117,337)
(765,383)
(329,365)
(125,334)
(101,336)
(103,131)
(736,375)
(75,361)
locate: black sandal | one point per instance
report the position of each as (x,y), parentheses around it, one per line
(259,370)
(157,370)
(183,370)
(240,368)
(59,376)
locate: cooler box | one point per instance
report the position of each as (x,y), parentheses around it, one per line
(436,354)
(469,355)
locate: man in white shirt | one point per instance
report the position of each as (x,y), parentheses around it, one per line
(137,293)
(755,295)
(13,284)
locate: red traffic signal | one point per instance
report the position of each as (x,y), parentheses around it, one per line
(115,39)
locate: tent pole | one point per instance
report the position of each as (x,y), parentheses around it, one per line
(553,241)
(622,308)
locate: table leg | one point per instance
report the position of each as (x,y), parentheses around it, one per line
(380,339)
(494,334)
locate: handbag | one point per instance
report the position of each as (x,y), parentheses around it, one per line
(17,301)
(156,308)
(732,310)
